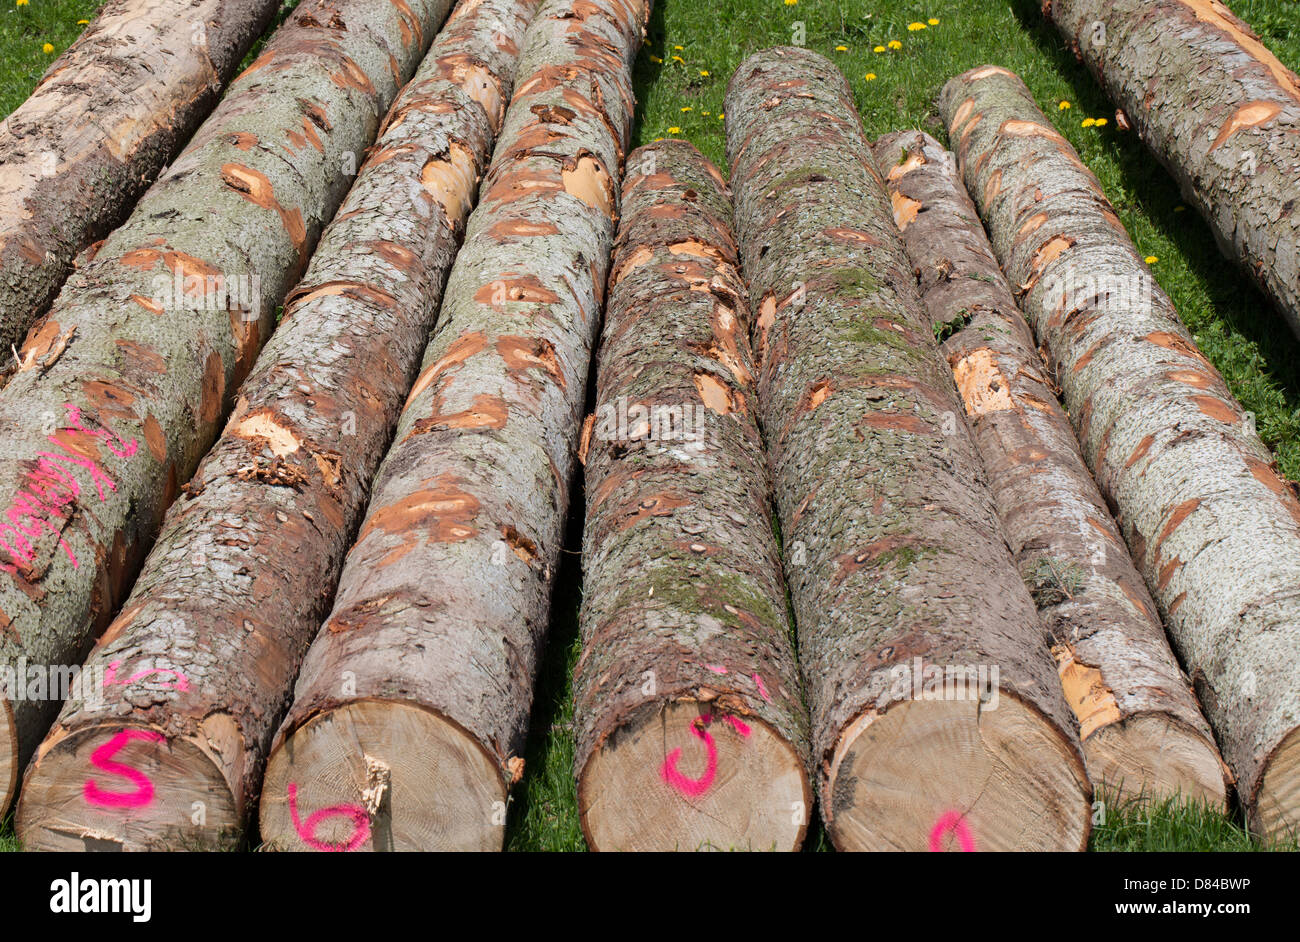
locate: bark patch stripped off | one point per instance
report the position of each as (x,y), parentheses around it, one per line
(937,717)
(1220,112)
(1212,527)
(1142,730)
(245,567)
(155,334)
(105,118)
(691,728)
(427,661)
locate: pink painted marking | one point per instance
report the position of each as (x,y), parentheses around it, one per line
(716,668)
(955,822)
(692,787)
(102,758)
(181,683)
(762,690)
(307,830)
(51,489)
(740,725)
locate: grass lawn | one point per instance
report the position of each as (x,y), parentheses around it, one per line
(681,75)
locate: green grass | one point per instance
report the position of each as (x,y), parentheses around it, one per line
(24,31)
(1230,319)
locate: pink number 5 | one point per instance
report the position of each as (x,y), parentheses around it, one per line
(102,758)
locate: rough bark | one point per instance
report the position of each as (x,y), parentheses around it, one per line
(898,567)
(127,378)
(103,121)
(1212,527)
(1220,112)
(1142,731)
(689,719)
(411,708)
(245,567)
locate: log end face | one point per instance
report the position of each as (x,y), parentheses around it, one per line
(681,777)
(957,775)
(1153,756)
(380,775)
(8,755)
(1275,812)
(125,788)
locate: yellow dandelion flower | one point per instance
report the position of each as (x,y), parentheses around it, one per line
(841,48)
(1151,259)
(674,130)
(933,21)
(679,59)
(1087,122)
(47,49)
(791,3)
(895,44)
(655,59)
(1102,122)
(870,76)
(721,115)
(704,72)
(20,3)
(686,109)
(914,27)
(879,49)
(79,22)
(705,113)
(1063,106)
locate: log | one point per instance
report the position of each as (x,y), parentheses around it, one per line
(207,646)
(1213,528)
(1217,109)
(129,375)
(689,720)
(102,122)
(1143,733)
(411,709)
(937,717)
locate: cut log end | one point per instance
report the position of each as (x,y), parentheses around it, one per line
(381,775)
(1276,811)
(682,777)
(957,775)
(8,755)
(1153,756)
(124,788)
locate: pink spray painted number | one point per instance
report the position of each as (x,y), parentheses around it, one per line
(102,758)
(955,822)
(695,787)
(307,829)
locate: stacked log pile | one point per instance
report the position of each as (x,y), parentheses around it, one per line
(1142,732)
(126,380)
(101,124)
(208,644)
(412,704)
(1212,527)
(898,567)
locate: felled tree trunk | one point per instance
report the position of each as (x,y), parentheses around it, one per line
(128,377)
(937,718)
(102,122)
(1212,527)
(1142,731)
(245,567)
(1220,112)
(689,718)
(412,704)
